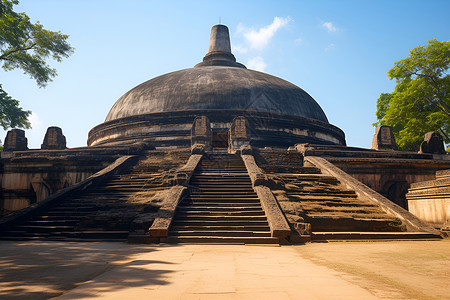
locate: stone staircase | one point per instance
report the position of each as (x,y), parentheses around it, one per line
(98,213)
(329,207)
(221,207)
(333,211)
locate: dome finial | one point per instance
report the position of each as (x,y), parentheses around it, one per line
(219,51)
(219,39)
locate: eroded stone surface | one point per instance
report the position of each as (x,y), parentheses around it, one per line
(15,140)
(432,143)
(383,139)
(54,139)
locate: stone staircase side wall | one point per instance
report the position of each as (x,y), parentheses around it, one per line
(170,201)
(279,226)
(412,222)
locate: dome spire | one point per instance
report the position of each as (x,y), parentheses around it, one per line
(219,51)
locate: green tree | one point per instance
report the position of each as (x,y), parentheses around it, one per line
(26,46)
(421,100)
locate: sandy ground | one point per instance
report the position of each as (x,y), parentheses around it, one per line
(352,270)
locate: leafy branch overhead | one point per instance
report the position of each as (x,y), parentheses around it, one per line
(26,46)
(421,100)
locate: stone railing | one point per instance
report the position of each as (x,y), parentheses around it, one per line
(279,226)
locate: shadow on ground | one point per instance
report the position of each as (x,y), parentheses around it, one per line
(42,270)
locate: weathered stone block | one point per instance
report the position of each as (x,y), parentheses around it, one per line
(201,132)
(54,139)
(383,139)
(15,140)
(432,143)
(239,134)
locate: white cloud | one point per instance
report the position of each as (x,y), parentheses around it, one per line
(36,134)
(257,63)
(298,41)
(239,49)
(36,123)
(330,47)
(259,39)
(329,26)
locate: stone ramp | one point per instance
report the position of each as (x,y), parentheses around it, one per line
(221,206)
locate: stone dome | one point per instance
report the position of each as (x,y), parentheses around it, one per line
(216,87)
(161,111)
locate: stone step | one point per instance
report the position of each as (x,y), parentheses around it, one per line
(218,208)
(220,183)
(223,222)
(341,224)
(222,218)
(220,188)
(64,213)
(220,175)
(214,205)
(341,202)
(222,194)
(307,196)
(344,236)
(78,208)
(314,209)
(223,233)
(224,198)
(42,228)
(196,214)
(229,200)
(221,240)
(220,180)
(222,228)
(44,217)
(362,216)
(308,177)
(51,222)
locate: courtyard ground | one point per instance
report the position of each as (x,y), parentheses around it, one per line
(338,270)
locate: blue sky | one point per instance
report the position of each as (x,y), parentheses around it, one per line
(338,51)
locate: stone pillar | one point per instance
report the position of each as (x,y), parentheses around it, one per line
(15,141)
(54,139)
(239,134)
(432,143)
(201,133)
(383,139)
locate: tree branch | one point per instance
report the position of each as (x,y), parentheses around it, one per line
(438,106)
(443,133)
(8,53)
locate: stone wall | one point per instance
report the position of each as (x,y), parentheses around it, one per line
(430,200)
(389,176)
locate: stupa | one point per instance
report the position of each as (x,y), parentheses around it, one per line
(162,110)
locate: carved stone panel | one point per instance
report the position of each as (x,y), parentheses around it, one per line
(54,139)
(432,143)
(239,133)
(15,140)
(201,132)
(383,139)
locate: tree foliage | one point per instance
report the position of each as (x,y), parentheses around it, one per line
(421,100)
(11,114)
(26,46)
